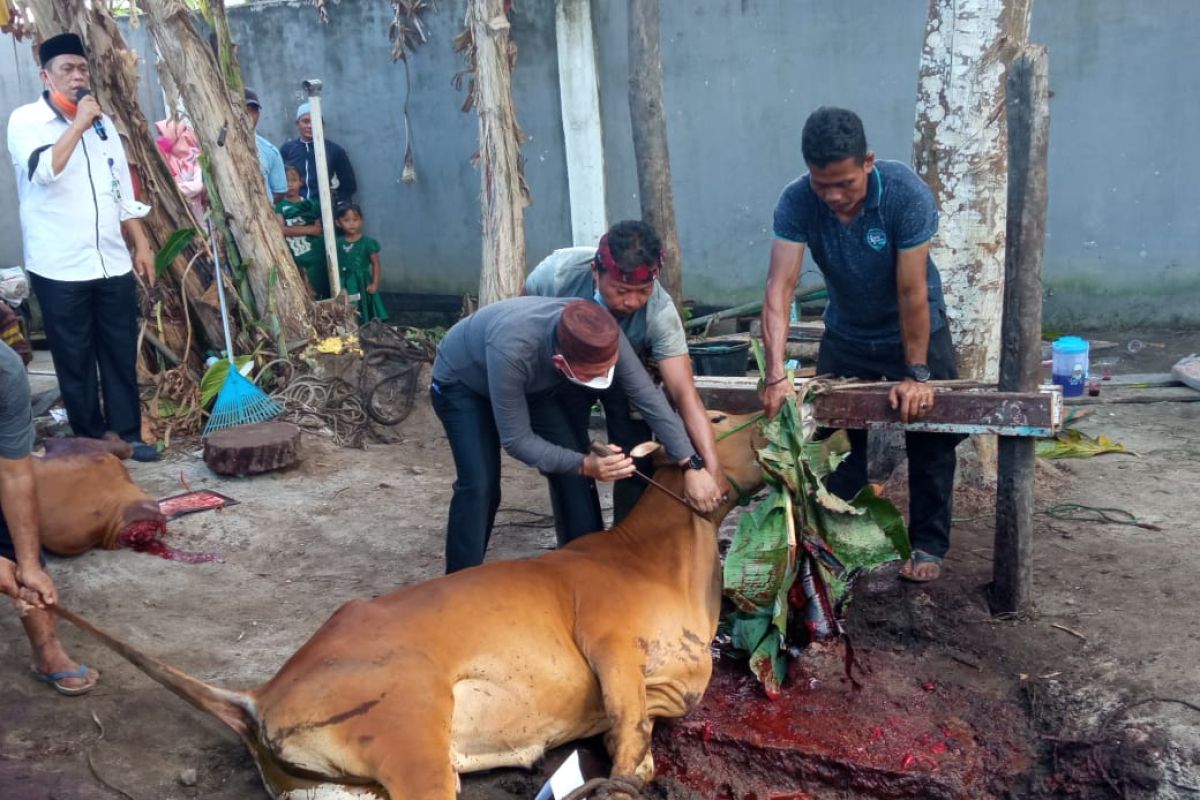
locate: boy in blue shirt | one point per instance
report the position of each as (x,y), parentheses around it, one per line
(868,224)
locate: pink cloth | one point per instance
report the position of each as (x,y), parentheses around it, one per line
(181,150)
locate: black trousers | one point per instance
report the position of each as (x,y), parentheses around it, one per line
(574,498)
(475,444)
(91,326)
(931,458)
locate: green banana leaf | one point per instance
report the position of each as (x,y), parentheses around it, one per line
(1074,443)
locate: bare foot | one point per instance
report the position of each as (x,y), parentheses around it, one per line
(921,567)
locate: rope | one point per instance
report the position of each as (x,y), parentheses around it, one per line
(622,786)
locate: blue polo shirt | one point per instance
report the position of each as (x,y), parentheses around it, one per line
(858,260)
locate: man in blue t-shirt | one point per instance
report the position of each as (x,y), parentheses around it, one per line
(868,225)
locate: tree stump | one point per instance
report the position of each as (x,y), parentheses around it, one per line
(252,449)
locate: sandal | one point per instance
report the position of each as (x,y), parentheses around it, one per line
(920,558)
(56,679)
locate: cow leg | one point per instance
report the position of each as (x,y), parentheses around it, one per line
(408,748)
(623,687)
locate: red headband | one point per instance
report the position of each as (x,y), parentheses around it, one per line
(605,262)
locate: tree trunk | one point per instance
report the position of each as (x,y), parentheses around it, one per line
(502,196)
(959,150)
(115,82)
(223,129)
(648,119)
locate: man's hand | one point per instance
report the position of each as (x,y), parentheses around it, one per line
(143,262)
(913,398)
(607,468)
(87,111)
(37,588)
(701,490)
(774,395)
(9,585)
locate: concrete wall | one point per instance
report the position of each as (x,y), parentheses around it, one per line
(740,78)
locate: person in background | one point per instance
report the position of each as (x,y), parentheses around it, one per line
(358,264)
(270,163)
(22,573)
(79,219)
(302,154)
(300,218)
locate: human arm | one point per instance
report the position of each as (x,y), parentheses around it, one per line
(18,498)
(782,276)
(143,254)
(913,398)
(341,167)
(681,388)
(87,111)
(373,286)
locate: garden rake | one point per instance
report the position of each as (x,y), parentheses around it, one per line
(239,401)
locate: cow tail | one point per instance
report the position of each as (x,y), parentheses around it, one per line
(235,709)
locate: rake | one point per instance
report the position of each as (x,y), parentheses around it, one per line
(239,401)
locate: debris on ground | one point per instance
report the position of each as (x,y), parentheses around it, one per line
(1074,443)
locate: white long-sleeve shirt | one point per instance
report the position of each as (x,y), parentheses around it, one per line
(70,221)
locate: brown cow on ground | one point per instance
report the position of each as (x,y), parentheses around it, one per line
(492,666)
(86,500)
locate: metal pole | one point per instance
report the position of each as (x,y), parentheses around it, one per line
(312,88)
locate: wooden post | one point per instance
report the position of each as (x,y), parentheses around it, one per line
(647,116)
(312,89)
(579,92)
(1028,104)
(502,196)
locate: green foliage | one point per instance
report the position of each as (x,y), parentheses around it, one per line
(1074,443)
(172,247)
(800,519)
(214,378)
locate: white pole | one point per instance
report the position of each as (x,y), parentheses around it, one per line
(313,88)
(579,91)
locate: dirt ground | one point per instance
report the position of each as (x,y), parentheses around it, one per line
(1105,667)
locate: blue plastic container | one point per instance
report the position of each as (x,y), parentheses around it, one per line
(1070,365)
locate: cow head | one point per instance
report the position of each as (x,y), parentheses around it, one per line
(738,439)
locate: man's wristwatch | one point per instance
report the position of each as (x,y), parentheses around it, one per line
(695,462)
(918,372)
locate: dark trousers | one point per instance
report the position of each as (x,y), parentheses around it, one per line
(574,498)
(931,458)
(92,325)
(475,444)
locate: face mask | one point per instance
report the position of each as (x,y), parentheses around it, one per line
(599,383)
(599,298)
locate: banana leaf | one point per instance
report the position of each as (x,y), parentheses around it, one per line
(1074,443)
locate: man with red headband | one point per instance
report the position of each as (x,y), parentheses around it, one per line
(79,220)
(621,274)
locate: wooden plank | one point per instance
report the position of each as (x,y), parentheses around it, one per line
(1028,106)
(975,411)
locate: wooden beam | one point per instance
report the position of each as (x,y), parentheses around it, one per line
(973,410)
(583,140)
(1021,327)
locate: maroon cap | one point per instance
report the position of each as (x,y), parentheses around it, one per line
(587,335)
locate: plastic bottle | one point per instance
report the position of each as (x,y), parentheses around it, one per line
(1070,365)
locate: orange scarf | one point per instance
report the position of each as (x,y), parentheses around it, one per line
(68,107)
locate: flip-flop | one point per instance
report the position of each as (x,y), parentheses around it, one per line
(55,679)
(921,558)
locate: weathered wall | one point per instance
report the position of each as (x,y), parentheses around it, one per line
(741,76)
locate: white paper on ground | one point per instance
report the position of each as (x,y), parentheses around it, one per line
(567,778)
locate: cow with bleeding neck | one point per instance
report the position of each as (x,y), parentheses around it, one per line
(393,698)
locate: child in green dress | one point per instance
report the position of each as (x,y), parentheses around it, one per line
(358,263)
(300,218)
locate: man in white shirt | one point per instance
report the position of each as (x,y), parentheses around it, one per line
(79,218)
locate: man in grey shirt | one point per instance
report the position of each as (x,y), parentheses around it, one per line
(621,275)
(494,384)
(21,574)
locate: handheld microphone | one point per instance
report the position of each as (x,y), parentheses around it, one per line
(97,125)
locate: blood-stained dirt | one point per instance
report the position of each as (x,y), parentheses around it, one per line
(1080,698)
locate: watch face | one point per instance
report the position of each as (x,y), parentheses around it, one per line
(696,461)
(919,372)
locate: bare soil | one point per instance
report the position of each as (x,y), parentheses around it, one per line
(1103,668)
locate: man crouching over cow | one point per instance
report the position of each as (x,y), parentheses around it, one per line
(496,382)
(22,576)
